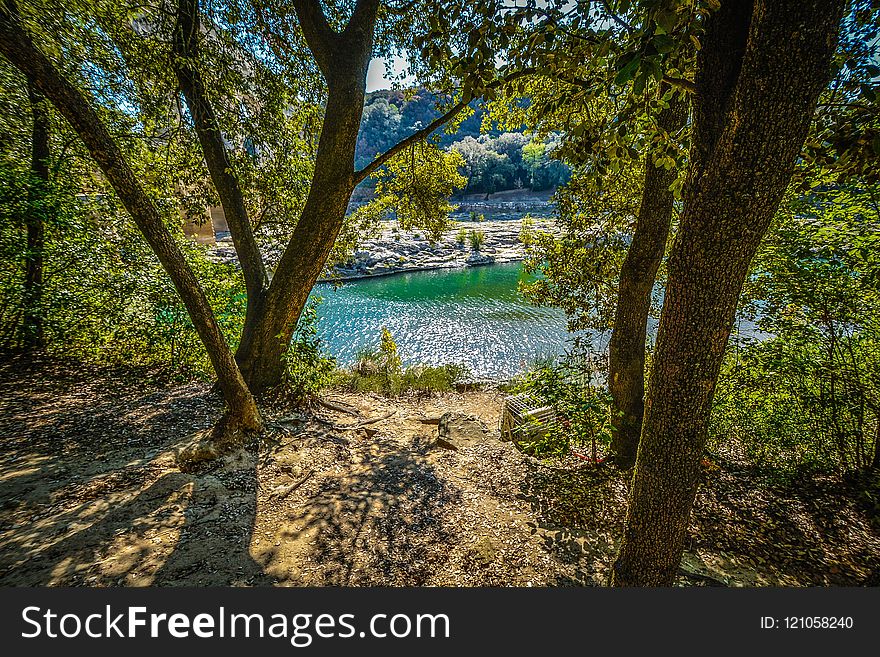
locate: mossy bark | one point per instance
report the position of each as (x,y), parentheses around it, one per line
(759,76)
(626,363)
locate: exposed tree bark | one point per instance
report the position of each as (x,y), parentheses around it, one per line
(750,122)
(185,64)
(626,364)
(15,44)
(343,58)
(32,323)
(274,309)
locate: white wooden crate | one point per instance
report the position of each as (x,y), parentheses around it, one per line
(526,419)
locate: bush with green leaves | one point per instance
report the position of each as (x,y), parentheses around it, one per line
(381,370)
(807,395)
(309,369)
(579,262)
(477,238)
(105,297)
(573,387)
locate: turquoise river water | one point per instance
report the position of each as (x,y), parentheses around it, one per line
(472,316)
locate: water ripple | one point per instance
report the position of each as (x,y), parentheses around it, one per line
(474,317)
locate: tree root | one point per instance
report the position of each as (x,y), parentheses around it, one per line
(225,437)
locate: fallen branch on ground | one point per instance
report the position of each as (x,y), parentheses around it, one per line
(338,406)
(354,425)
(287,490)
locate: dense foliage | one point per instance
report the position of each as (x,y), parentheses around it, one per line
(805,392)
(574,388)
(492,160)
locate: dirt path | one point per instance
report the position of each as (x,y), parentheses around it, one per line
(89,495)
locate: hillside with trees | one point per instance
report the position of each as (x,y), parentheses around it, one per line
(493,160)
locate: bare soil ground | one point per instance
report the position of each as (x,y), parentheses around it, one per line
(90,495)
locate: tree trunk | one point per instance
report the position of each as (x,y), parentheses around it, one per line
(626,365)
(264,340)
(15,45)
(274,308)
(32,324)
(750,123)
(343,59)
(185,64)
(875,462)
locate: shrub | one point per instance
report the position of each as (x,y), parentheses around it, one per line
(806,397)
(381,371)
(786,407)
(389,359)
(307,368)
(572,386)
(477,238)
(105,298)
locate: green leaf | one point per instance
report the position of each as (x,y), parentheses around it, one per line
(630,64)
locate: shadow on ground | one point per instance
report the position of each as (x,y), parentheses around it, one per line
(89,493)
(381,522)
(578,513)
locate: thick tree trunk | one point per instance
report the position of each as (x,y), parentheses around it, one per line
(744,151)
(265,340)
(32,324)
(626,365)
(16,46)
(343,59)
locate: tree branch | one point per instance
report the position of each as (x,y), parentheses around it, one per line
(617,19)
(184,62)
(418,135)
(681,83)
(357,37)
(18,47)
(281,48)
(320,37)
(364,13)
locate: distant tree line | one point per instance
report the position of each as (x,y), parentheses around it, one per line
(493,160)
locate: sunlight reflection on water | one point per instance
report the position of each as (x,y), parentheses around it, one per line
(471,316)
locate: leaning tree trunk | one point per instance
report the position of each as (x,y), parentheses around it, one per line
(185,62)
(32,324)
(242,415)
(626,364)
(264,340)
(751,118)
(343,58)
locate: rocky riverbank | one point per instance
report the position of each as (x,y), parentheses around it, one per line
(393,250)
